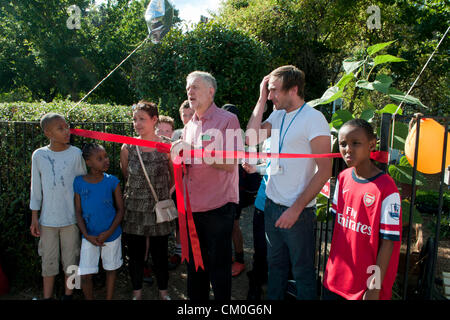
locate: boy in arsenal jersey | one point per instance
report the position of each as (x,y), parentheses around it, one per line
(366,240)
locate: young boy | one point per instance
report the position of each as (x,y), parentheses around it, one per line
(165,126)
(368,222)
(53,169)
(186,114)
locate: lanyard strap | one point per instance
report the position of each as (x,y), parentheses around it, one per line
(280,145)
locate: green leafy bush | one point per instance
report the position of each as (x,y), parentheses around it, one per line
(444,229)
(428,201)
(25,111)
(322,208)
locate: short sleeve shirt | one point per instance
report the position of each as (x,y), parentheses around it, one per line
(97,204)
(288,178)
(366,211)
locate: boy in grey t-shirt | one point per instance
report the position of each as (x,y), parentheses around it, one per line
(53,169)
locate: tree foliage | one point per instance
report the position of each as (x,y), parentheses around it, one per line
(43,59)
(235,59)
(316,35)
(42,54)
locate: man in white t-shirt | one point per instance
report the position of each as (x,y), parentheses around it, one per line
(293,184)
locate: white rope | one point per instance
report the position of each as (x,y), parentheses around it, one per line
(424,67)
(109,74)
(413,85)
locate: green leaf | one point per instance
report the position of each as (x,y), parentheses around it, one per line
(321,205)
(401,131)
(390,108)
(404,162)
(350,65)
(345,80)
(393,90)
(377,47)
(332,93)
(340,117)
(385,58)
(368,115)
(382,83)
(407,99)
(402,173)
(364,84)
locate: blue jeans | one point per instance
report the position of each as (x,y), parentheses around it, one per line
(260,247)
(295,247)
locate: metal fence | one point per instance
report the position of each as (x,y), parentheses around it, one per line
(20,139)
(426,282)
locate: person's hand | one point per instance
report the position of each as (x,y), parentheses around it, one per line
(93,240)
(287,219)
(34,228)
(102,237)
(180,148)
(249,168)
(263,88)
(371,294)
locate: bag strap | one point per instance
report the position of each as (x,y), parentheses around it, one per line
(145,173)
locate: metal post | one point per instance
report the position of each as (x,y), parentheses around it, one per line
(438,222)
(411,208)
(384,136)
(327,230)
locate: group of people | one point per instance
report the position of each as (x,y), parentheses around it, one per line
(366,204)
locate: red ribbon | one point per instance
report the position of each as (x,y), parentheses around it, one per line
(160,147)
(184,208)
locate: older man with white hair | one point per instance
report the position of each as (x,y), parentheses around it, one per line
(212,186)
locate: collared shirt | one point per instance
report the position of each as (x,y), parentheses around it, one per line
(210,188)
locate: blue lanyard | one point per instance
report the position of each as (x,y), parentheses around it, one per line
(280,145)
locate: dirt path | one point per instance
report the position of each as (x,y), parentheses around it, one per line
(178,277)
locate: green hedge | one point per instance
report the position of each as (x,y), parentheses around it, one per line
(25,111)
(428,201)
(18,249)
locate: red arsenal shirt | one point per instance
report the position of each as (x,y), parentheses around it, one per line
(366,211)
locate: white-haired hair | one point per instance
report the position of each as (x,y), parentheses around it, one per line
(205,76)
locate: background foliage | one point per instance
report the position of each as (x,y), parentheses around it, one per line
(317,35)
(235,59)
